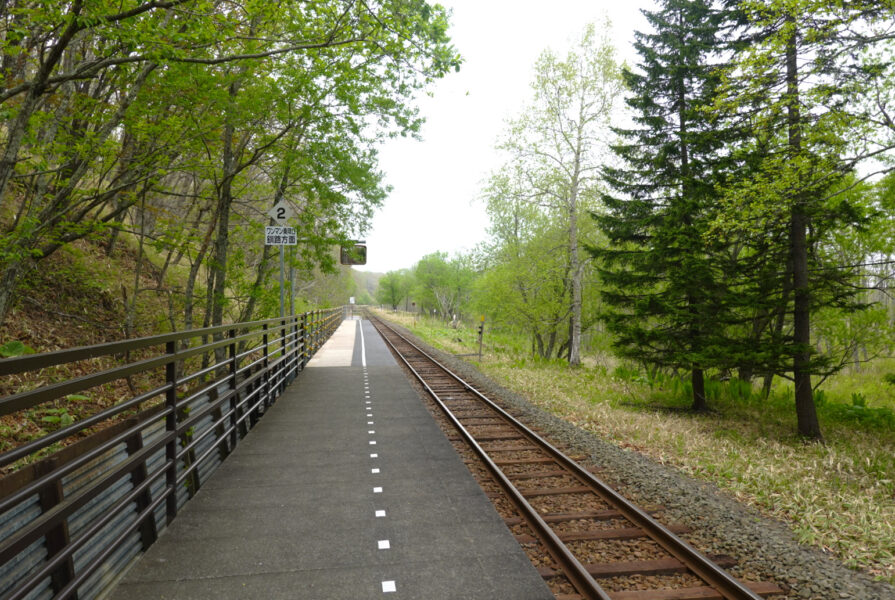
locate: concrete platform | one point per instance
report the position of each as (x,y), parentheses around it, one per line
(346,489)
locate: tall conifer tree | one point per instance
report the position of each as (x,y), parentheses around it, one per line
(810,91)
(662,280)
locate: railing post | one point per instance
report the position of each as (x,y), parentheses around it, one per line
(148,531)
(234,395)
(171,432)
(284,356)
(296,348)
(57,537)
(266,376)
(303,336)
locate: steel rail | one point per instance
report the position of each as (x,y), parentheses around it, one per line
(572,568)
(701,565)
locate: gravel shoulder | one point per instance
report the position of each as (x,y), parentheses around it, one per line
(765,548)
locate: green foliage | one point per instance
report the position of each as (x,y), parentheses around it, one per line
(538,198)
(15,348)
(859,412)
(443,284)
(57,416)
(663,280)
(268,101)
(628,373)
(393,287)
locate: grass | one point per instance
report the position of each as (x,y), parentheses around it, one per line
(839,496)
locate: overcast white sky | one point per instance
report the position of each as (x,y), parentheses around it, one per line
(436,181)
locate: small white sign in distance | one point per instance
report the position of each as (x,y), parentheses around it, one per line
(275,235)
(281,212)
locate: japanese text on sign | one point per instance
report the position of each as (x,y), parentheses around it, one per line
(280,236)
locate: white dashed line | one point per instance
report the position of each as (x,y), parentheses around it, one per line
(372,442)
(384,545)
(369,422)
(374,471)
(371,431)
(388,586)
(363,347)
(380,513)
(377,490)
(374,455)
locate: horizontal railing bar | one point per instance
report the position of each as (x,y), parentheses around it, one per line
(205,432)
(198,461)
(26,536)
(242,355)
(85,536)
(142,516)
(249,379)
(191,421)
(10,456)
(33,362)
(254,363)
(251,409)
(188,378)
(25,400)
(289,342)
(207,348)
(36,485)
(245,401)
(199,393)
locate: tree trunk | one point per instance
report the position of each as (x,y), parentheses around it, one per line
(261,278)
(131,307)
(575,337)
(697,378)
(766,386)
(575,268)
(806,412)
(12,270)
(194,274)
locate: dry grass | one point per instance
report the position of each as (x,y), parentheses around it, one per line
(839,496)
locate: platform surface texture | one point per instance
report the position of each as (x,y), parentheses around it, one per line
(345,490)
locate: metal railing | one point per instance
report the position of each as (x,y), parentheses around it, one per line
(72,521)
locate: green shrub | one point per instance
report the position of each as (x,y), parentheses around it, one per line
(859,412)
(15,348)
(626,373)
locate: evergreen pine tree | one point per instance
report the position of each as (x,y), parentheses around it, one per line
(663,280)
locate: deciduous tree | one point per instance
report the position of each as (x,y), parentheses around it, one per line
(559,144)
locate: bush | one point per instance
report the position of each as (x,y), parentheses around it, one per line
(859,412)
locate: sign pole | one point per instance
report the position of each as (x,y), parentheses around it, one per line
(282,284)
(281,235)
(292,284)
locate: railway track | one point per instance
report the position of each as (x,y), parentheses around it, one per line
(586,540)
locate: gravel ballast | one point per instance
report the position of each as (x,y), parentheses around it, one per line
(764,548)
